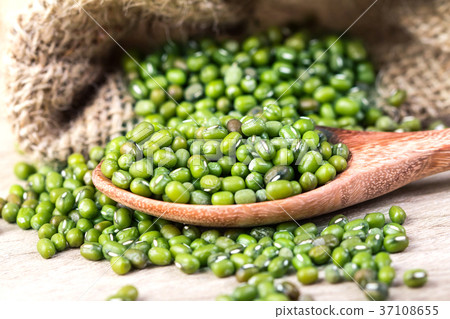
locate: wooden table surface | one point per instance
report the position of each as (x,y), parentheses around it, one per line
(25,275)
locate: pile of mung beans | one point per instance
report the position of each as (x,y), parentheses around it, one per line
(258,100)
(280,74)
(68,212)
(221,167)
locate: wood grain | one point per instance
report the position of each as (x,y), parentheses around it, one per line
(25,276)
(379,164)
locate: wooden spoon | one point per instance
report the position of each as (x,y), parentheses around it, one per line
(379,163)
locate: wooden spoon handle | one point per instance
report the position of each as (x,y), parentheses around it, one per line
(438,144)
(396,159)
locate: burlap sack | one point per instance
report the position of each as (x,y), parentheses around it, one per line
(64,96)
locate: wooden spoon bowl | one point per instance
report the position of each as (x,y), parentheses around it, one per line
(379,163)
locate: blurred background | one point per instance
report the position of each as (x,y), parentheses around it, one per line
(8,12)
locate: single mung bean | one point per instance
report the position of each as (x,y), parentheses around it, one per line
(46,231)
(128,292)
(414,278)
(375,220)
(91,251)
(320,254)
(75,237)
(386,274)
(377,291)
(223,268)
(59,241)
(393,228)
(397,215)
(46,248)
(364,276)
(120,265)
(160,256)
(245,272)
(332,274)
(187,263)
(307,275)
(244,292)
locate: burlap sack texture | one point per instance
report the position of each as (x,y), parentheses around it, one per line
(63,96)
